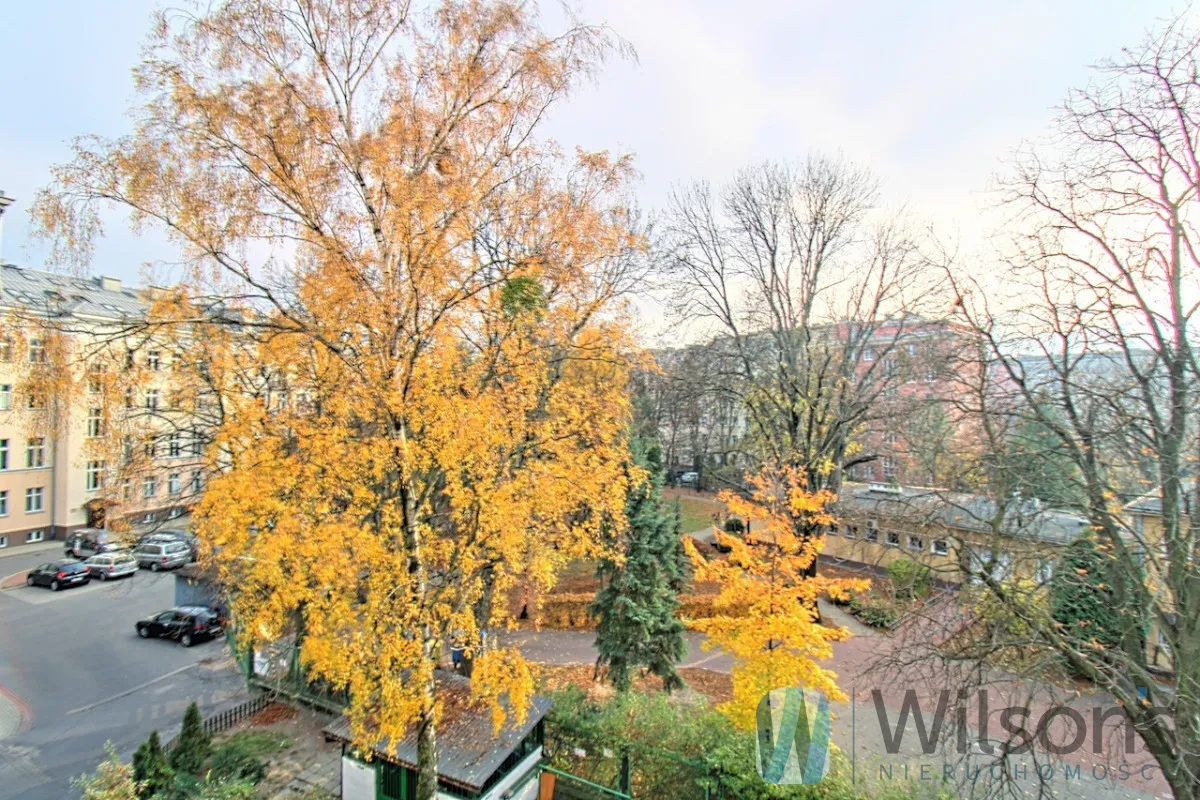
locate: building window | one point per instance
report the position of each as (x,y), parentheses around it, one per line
(911,349)
(35,536)
(35,401)
(126,489)
(5,396)
(940,547)
(3,541)
(94,386)
(129,398)
(153,359)
(34,500)
(174,446)
(1045,570)
(868,354)
(37,351)
(127,448)
(889,467)
(916,543)
(891,438)
(3,453)
(930,374)
(148,517)
(6,348)
(152,399)
(850,531)
(872,531)
(151,447)
(3,502)
(149,486)
(129,361)
(890,367)
(891,391)
(95,475)
(893,539)
(95,422)
(35,452)
(173,484)
(1163,643)
(197,480)
(176,511)
(197,446)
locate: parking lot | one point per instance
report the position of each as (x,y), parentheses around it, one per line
(74,674)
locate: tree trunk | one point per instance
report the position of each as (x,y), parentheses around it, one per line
(427,748)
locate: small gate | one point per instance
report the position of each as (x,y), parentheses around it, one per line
(558,785)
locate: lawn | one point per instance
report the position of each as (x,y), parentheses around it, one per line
(694,515)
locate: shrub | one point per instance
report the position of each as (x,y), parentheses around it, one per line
(194,744)
(231,762)
(150,768)
(911,579)
(734,525)
(874,611)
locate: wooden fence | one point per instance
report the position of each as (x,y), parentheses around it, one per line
(224,720)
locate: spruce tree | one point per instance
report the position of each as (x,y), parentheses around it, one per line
(150,768)
(637,605)
(1087,601)
(194,744)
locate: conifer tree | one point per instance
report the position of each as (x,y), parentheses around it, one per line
(150,768)
(194,744)
(638,603)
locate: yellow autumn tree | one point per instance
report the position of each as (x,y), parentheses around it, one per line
(766,609)
(402,318)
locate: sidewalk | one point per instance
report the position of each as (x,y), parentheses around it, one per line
(31,549)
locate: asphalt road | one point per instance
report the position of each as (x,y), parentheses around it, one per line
(85,678)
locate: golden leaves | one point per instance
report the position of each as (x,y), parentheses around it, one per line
(768,594)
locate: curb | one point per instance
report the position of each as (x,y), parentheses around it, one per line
(13,581)
(22,708)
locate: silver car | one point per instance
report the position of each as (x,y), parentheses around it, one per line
(162,555)
(111,565)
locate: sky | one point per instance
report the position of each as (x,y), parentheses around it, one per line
(932,95)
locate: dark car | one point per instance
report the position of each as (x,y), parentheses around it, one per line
(58,574)
(184,623)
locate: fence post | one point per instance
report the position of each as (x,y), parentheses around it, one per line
(624,781)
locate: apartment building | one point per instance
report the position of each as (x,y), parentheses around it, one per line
(878,523)
(73,452)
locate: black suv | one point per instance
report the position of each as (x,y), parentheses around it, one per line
(185,623)
(58,574)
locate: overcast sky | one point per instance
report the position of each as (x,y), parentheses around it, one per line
(931,95)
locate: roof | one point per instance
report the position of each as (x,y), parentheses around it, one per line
(1021,518)
(469,749)
(53,294)
(1151,502)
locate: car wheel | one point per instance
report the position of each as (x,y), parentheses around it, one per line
(29,580)
(154,567)
(142,632)
(186,640)
(54,586)
(103,576)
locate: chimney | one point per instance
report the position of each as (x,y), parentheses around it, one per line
(5,202)
(110,284)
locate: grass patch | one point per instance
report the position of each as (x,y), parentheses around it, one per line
(694,515)
(259,743)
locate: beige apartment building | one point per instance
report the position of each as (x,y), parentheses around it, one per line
(61,462)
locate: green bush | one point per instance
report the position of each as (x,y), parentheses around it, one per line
(241,756)
(911,579)
(874,611)
(150,768)
(734,525)
(194,744)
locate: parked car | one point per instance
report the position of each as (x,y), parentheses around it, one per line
(116,564)
(89,542)
(689,478)
(184,623)
(173,536)
(58,574)
(156,555)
